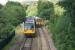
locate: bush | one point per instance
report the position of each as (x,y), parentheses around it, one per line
(11,15)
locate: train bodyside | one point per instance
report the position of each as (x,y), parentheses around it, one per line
(39,22)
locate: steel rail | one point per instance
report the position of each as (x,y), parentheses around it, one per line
(47,42)
(27,44)
(23,44)
(38,31)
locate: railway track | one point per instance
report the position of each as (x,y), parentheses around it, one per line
(32,43)
(45,42)
(27,45)
(39,40)
(42,41)
(46,38)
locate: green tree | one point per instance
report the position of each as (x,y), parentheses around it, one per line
(1,6)
(45,9)
(32,10)
(12,14)
(64,27)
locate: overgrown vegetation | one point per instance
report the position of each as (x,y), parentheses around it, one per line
(61,22)
(31,10)
(45,9)
(11,15)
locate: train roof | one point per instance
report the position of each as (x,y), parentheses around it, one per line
(29,20)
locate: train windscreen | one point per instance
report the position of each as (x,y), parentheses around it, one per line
(28,26)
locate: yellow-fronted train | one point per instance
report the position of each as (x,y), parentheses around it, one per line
(29,27)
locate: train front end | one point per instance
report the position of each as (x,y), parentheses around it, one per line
(29,28)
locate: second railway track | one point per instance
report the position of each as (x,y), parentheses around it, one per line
(45,42)
(46,38)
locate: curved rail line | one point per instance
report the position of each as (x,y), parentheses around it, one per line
(23,44)
(27,45)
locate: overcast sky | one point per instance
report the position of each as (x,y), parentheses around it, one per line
(3,2)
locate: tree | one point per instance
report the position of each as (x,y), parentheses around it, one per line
(32,10)
(64,28)
(45,9)
(15,12)
(11,15)
(1,6)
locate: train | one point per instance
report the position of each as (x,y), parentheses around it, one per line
(39,22)
(30,25)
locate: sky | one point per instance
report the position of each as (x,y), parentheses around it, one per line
(3,2)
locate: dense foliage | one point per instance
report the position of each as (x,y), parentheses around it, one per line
(61,17)
(10,16)
(45,9)
(70,12)
(1,6)
(31,10)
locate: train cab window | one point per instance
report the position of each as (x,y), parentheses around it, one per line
(29,26)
